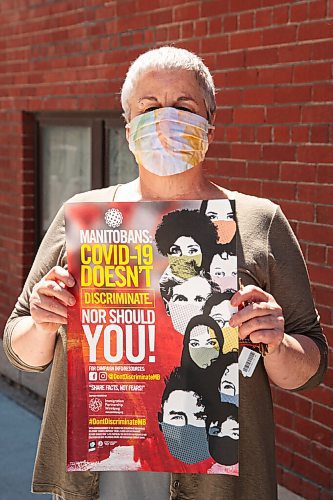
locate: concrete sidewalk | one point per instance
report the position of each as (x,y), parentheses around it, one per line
(19,429)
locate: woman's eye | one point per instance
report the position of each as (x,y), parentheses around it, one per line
(175,250)
(152,108)
(212,217)
(184,109)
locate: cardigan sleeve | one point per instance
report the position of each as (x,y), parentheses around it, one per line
(52,252)
(288,282)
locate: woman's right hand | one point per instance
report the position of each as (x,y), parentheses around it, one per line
(49,300)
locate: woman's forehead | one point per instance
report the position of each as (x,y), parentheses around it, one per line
(176,83)
(199,330)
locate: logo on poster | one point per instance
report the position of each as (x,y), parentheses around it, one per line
(113,217)
(95,404)
(92,446)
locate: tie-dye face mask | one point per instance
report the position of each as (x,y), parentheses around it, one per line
(168,141)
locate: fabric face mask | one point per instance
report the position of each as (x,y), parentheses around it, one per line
(187,443)
(185,266)
(228,398)
(226,229)
(182,312)
(203,356)
(226,282)
(224,450)
(168,141)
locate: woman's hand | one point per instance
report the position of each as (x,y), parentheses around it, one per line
(261,318)
(50,298)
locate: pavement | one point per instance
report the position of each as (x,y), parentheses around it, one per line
(20,419)
(19,428)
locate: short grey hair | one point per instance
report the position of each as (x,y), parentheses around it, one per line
(169,58)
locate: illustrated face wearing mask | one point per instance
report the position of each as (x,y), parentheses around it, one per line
(222,312)
(223,441)
(185,257)
(168,141)
(222,216)
(187,300)
(183,424)
(229,386)
(204,348)
(223,270)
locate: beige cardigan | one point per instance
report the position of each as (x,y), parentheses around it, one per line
(268,256)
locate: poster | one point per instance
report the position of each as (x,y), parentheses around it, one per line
(152,360)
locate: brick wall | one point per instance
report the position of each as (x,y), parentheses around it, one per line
(272,64)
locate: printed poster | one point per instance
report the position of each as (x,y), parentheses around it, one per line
(152,360)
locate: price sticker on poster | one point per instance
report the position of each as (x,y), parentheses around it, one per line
(152,359)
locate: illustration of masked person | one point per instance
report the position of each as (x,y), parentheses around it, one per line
(184,299)
(202,356)
(185,237)
(218,307)
(223,267)
(229,383)
(221,213)
(223,433)
(182,419)
(203,343)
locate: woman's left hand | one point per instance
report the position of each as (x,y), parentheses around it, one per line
(261,318)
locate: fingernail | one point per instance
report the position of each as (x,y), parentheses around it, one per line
(72,301)
(71,282)
(232,321)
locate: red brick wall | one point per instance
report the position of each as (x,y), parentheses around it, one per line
(272,63)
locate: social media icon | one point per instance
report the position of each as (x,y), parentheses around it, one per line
(92,446)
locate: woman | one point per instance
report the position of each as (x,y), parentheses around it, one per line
(184,236)
(229,382)
(223,267)
(184,299)
(222,218)
(202,345)
(202,356)
(170,93)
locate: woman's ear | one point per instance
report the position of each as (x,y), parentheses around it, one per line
(211,131)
